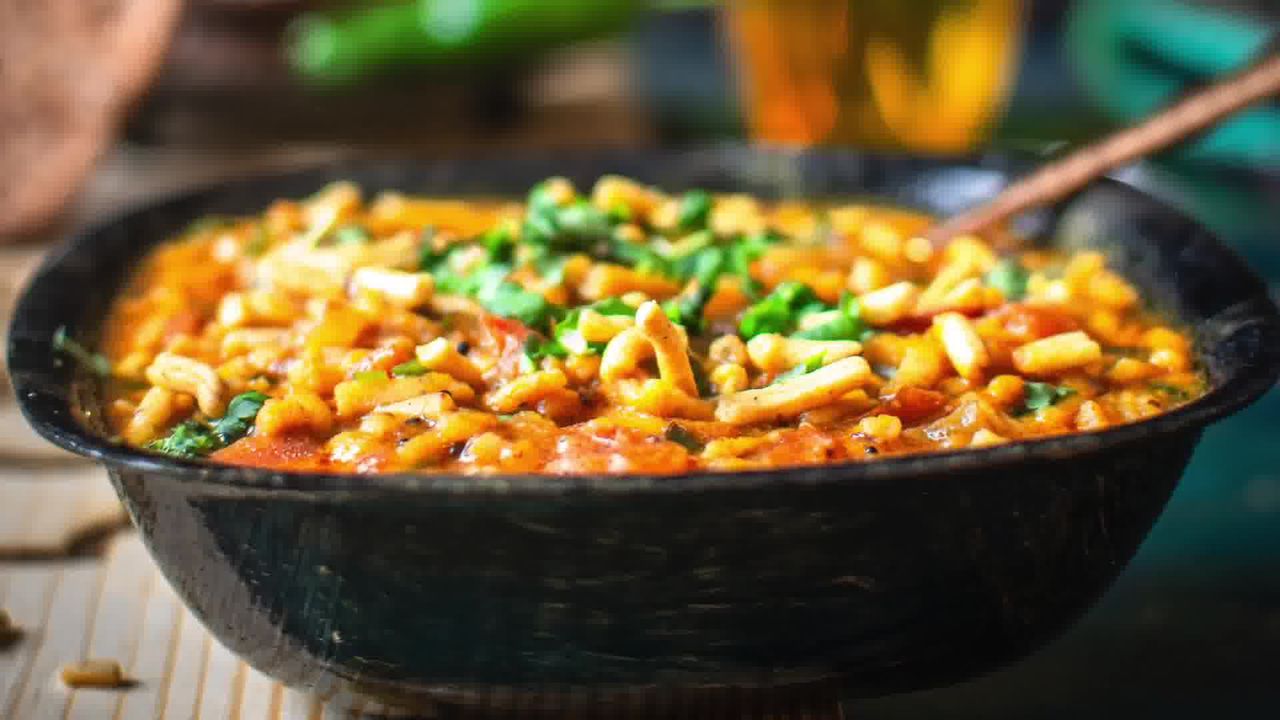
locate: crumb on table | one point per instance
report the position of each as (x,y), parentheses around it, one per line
(94,674)
(9,633)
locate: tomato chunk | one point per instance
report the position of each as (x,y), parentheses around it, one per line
(618,450)
(912,405)
(276,453)
(508,338)
(1031,322)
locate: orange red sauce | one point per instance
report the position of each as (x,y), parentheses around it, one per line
(627,330)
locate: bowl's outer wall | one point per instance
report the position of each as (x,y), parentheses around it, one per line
(883,587)
(936,575)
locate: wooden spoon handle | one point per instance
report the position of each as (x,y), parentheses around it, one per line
(1176,122)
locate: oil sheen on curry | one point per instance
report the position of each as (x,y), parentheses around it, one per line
(617,330)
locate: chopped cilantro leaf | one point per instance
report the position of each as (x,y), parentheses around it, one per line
(847,324)
(551,268)
(779,310)
(1038,395)
(566,331)
(576,226)
(695,210)
(489,286)
(409,368)
(188,439)
(582,222)
(619,214)
(539,229)
(194,439)
(499,244)
(512,301)
(809,366)
(742,253)
(680,262)
(238,420)
(351,235)
(1173,391)
(429,258)
(684,255)
(540,199)
(537,347)
(483,280)
(1010,278)
(637,256)
(687,309)
(611,306)
(91,361)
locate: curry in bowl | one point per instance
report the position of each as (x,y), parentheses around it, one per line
(627,330)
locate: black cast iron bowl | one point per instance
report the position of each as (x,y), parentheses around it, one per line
(867,577)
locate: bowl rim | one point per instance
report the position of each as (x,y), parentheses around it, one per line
(52,417)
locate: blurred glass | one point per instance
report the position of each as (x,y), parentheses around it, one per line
(926,75)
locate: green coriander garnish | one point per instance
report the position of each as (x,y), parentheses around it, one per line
(194,439)
(695,210)
(1010,278)
(409,368)
(93,362)
(780,310)
(351,235)
(847,324)
(809,366)
(1038,395)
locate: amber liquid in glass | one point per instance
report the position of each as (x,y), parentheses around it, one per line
(926,75)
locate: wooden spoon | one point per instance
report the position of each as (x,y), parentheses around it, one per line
(1062,177)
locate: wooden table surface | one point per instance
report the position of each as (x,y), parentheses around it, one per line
(117,606)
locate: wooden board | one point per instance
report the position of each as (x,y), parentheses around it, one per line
(119,607)
(55,510)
